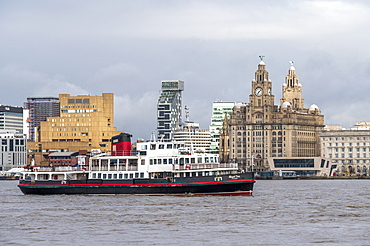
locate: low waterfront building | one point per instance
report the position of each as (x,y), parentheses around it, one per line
(348,149)
(68,158)
(13,152)
(302,166)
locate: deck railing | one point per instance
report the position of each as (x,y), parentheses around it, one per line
(56,168)
(205,166)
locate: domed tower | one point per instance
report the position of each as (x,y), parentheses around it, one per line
(292,90)
(314,109)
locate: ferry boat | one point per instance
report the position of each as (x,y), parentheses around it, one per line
(155,168)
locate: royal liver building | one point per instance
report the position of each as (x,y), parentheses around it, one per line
(259,130)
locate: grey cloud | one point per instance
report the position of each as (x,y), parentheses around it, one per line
(128,47)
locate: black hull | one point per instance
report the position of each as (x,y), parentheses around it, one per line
(230,185)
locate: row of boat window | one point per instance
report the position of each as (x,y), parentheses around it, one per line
(123,162)
(200,174)
(159,175)
(162,146)
(117,175)
(183,160)
(131,162)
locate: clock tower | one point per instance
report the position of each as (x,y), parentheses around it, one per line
(261,94)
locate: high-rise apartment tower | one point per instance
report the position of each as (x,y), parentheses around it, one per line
(11,118)
(169,108)
(39,109)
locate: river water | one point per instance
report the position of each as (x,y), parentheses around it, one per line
(281,212)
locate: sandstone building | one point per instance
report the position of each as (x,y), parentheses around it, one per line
(85,123)
(260,129)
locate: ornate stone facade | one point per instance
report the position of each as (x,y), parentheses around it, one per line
(259,130)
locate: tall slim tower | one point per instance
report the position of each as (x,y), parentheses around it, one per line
(169,108)
(39,109)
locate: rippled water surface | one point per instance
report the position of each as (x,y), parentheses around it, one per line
(284,212)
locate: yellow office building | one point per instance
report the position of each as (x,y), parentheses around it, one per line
(85,123)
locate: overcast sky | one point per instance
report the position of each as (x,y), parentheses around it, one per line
(127,47)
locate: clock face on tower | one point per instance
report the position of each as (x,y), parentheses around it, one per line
(258,91)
